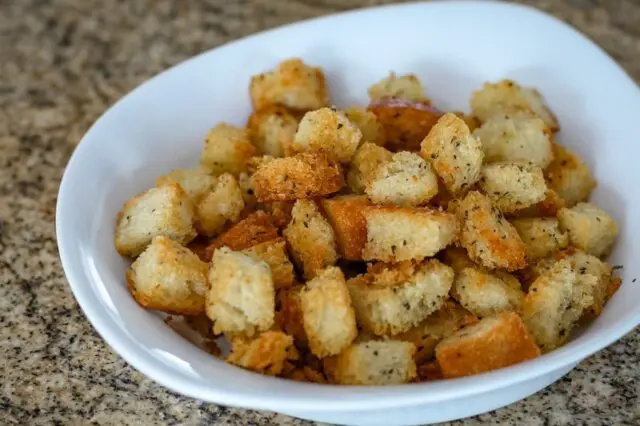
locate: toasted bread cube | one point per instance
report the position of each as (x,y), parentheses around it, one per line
(168,277)
(457,258)
(392,301)
(304,175)
(274,254)
(549,207)
(507,96)
(541,236)
(513,186)
(267,354)
(241,298)
(515,138)
(280,212)
(227,149)
(374,363)
(372,130)
(407,181)
(272,130)
(590,228)
(221,205)
(364,165)
(289,314)
(311,239)
(248,193)
(594,276)
(406,86)
(164,210)
(494,342)
(488,237)
(328,317)
(345,216)
(255,229)
(485,294)
(569,176)
(195,181)
(395,234)
(456,154)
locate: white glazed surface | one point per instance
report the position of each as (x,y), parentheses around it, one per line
(453,47)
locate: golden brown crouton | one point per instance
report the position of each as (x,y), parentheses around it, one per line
(165,210)
(494,342)
(485,294)
(367,122)
(541,236)
(227,149)
(222,204)
(292,84)
(345,216)
(487,236)
(280,212)
(403,87)
(250,231)
(364,165)
(304,175)
(513,186)
(327,314)
(569,176)
(168,277)
(549,207)
(274,253)
(407,181)
(272,130)
(392,300)
(590,228)
(327,131)
(267,354)
(241,299)
(195,181)
(395,234)
(289,314)
(456,155)
(311,239)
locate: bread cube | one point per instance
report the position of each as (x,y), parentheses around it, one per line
(344,213)
(248,193)
(590,228)
(304,175)
(541,236)
(255,229)
(327,314)
(395,234)
(495,342)
(405,86)
(455,154)
(364,165)
(372,130)
(280,212)
(488,237)
(241,298)
(164,210)
(327,131)
(195,181)
(569,176)
(227,149)
(549,207)
(594,277)
(310,238)
(274,254)
(394,299)
(513,186)
(407,181)
(289,314)
(221,205)
(272,130)
(485,294)
(168,277)
(267,354)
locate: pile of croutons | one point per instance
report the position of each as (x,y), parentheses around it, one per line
(375,246)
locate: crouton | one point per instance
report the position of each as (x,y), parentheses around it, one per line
(590,228)
(241,298)
(304,175)
(541,236)
(407,181)
(485,294)
(272,130)
(327,314)
(403,87)
(292,84)
(372,363)
(457,258)
(506,97)
(250,231)
(227,149)
(395,234)
(168,277)
(569,176)
(164,210)
(513,186)
(280,212)
(456,154)
(494,342)
(195,181)
(392,300)
(267,354)
(222,204)
(248,194)
(364,164)
(344,213)
(289,314)
(488,237)
(274,254)
(549,207)
(367,122)
(327,131)
(515,138)
(311,239)
(594,276)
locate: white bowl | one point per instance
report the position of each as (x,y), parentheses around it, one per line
(454,47)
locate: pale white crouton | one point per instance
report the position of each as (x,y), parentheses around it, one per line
(368,123)
(195,181)
(485,294)
(513,186)
(569,176)
(165,210)
(267,354)
(227,149)
(272,130)
(222,204)
(393,86)
(364,165)
(541,236)
(590,228)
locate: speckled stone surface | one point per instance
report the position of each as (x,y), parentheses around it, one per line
(62,63)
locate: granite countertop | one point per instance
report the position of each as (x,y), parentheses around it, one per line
(63,63)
